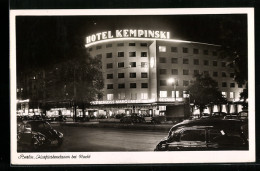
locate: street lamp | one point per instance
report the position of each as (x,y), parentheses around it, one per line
(172,81)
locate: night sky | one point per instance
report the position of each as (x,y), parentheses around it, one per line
(45,40)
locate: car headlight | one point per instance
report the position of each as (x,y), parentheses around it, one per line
(41,138)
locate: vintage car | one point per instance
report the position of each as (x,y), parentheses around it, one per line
(38,134)
(211,134)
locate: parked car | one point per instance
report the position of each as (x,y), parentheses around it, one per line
(38,134)
(219,115)
(243,115)
(231,116)
(133,118)
(158,119)
(211,134)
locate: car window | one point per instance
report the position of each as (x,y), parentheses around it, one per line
(226,137)
(193,135)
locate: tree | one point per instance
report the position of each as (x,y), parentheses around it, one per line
(204,91)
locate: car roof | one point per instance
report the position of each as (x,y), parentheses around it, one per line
(34,122)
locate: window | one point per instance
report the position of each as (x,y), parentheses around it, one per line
(193,135)
(163,93)
(163,83)
(175,94)
(214,53)
(232,95)
(232,75)
(196,61)
(121,85)
(224,94)
(224,84)
(185,94)
(131,44)
(206,73)
(206,62)
(174,49)
(132,85)
(109,55)
(205,52)
(109,65)
(120,64)
(110,96)
(196,72)
(232,85)
(162,60)
(162,48)
(121,75)
(121,96)
(120,54)
(224,74)
(185,61)
(185,83)
(144,96)
(144,85)
(99,56)
(144,65)
(223,64)
(174,71)
(195,51)
(174,60)
(163,71)
(143,44)
(143,54)
(99,47)
(185,72)
(144,75)
(132,64)
(132,54)
(132,75)
(133,96)
(108,45)
(215,74)
(109,76)
(185,50)
(109,86)
(120,44)
(215,63)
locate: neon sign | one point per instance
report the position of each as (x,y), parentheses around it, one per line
(122,101)
(125,33)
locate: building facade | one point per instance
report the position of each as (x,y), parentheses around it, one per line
(150,76)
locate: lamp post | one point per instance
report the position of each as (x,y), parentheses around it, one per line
(172,81)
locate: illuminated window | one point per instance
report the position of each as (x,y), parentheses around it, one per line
(185,61)
(162,48)
(143,54)
(122,85)
(109,76)
(195,51)
(132,64)
(174,71)
(109,86)
(98,47)
(215,63)
(143,44)
(174,60)
(206,62)
(109,65)
(224,94)
(174,49)
(162,60)
(120,44)
(215,74)
(185,72)
(205,52)
(232,85)
(163,93)
(185,94)
(110,96)
(120,65)
(108,45)
(163,82)
(185,83)
(144,65)
(144,85)
(120,54)
(163,71)
(224,74)
(232,95)
(144,75)
(109,55)
(132,75)
(224,84)
(132,85)
(121,96)
(196,61)
(121,75)
(144,96)
(185,50)
(131,44)
(176,93)
(132,54)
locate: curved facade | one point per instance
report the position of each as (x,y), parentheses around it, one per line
(150,76)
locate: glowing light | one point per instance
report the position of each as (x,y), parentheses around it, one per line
(171,80)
